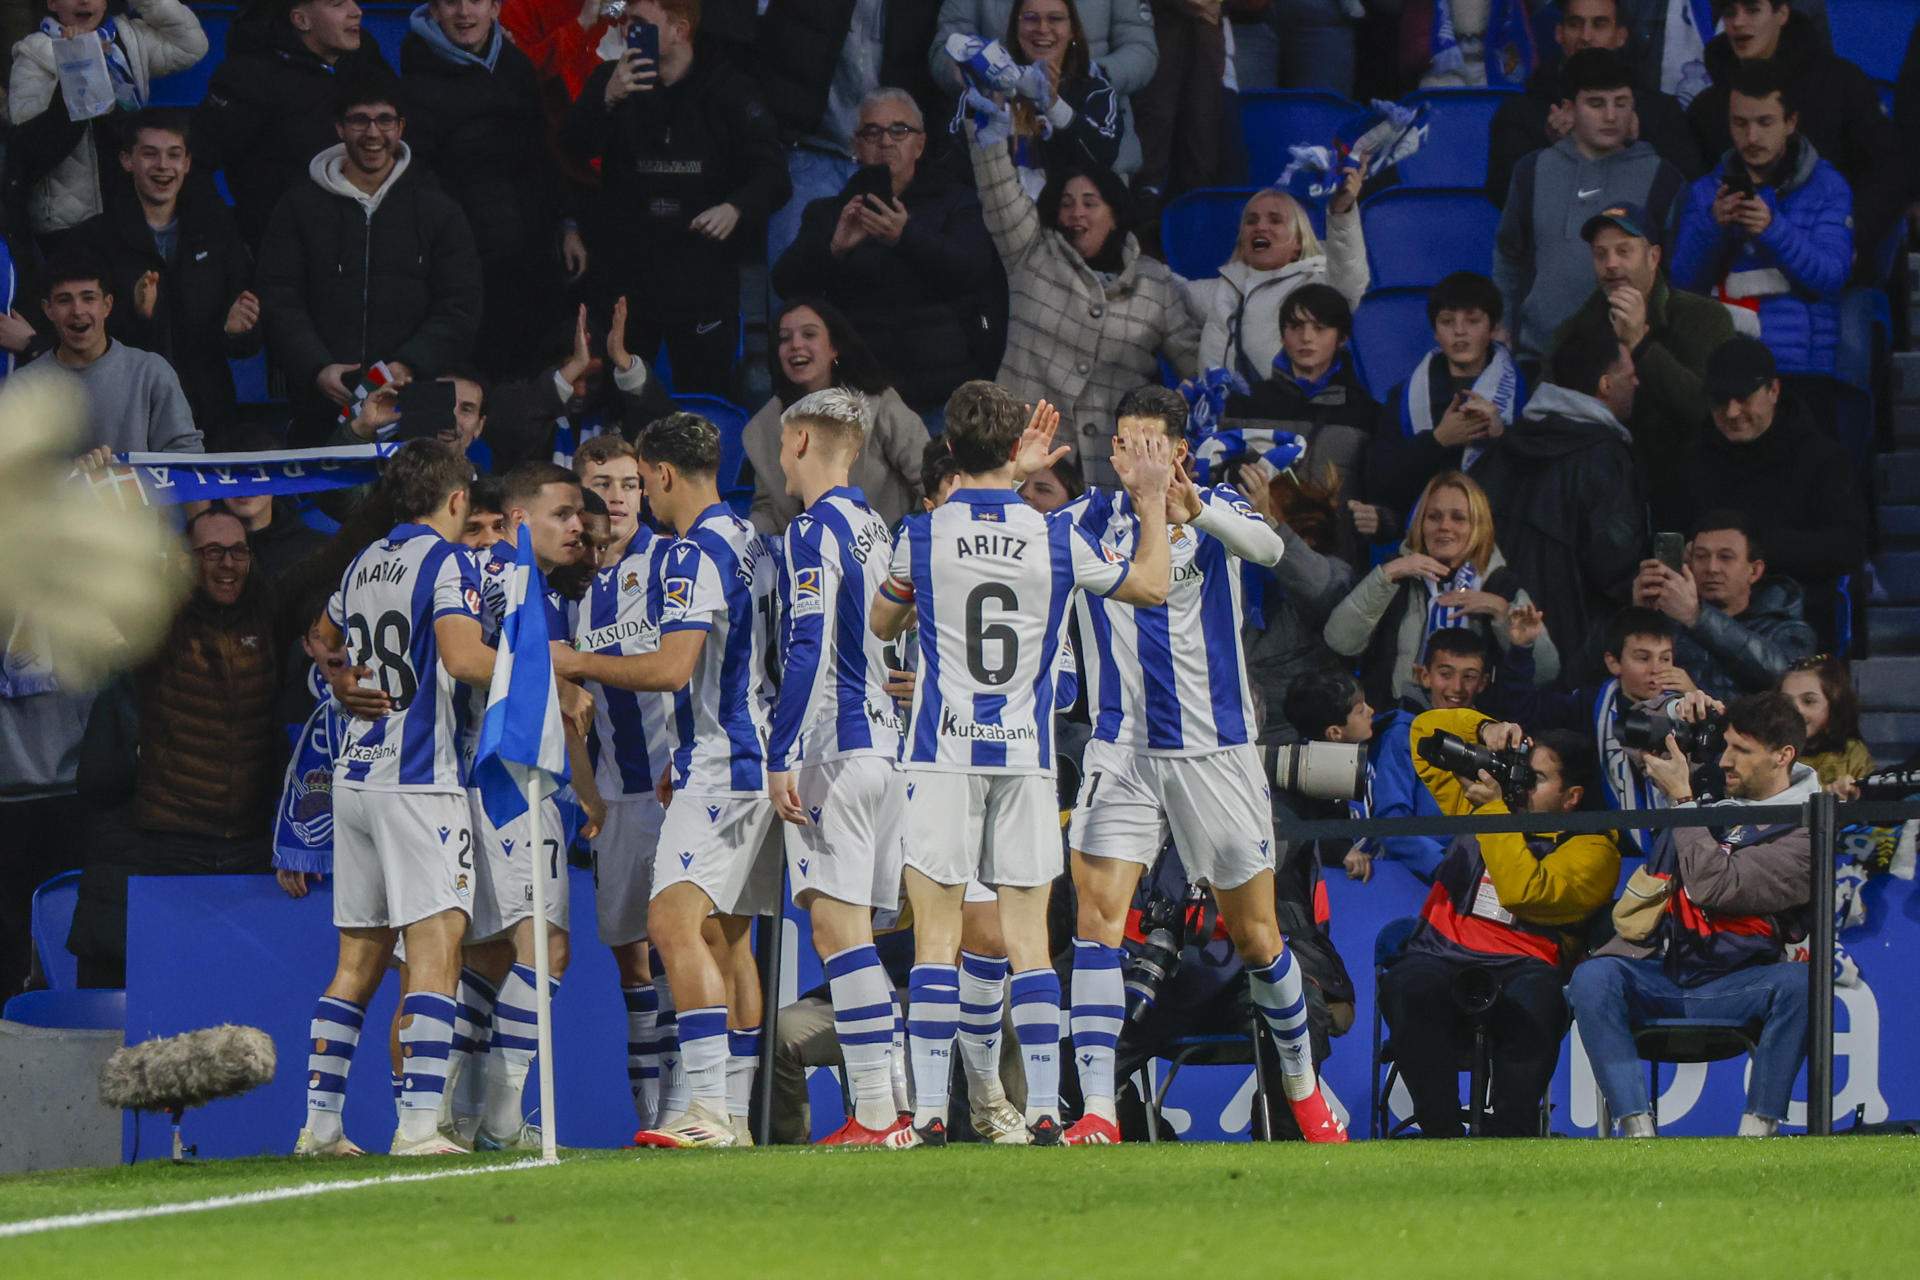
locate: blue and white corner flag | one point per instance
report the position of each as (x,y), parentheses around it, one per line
(523,745)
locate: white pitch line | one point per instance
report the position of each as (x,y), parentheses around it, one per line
(34,1226)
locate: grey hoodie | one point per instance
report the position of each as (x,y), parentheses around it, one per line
(1543,268)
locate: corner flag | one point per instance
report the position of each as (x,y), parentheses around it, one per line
(523,747)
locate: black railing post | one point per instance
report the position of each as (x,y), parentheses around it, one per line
(772,930)
(1822,831)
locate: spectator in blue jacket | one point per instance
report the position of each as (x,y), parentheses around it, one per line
(1453,673)
(1770,230)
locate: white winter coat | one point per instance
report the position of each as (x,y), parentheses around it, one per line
(1343,265)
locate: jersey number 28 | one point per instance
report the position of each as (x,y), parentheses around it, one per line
(387,640)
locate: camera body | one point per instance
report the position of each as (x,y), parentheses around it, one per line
(1645,728)
(1163,926)
(1511,768)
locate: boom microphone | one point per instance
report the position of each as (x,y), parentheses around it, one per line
(174,1073)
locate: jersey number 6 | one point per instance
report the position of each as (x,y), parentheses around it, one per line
(980,632)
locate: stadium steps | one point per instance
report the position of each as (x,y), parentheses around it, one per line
(1889,681)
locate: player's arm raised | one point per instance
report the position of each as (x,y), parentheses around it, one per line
(1227,516)
(1144,463)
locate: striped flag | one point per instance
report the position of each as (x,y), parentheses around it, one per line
(523,747)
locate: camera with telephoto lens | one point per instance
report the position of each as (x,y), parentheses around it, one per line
(1645,729)
(1319,770)
(1510,768)
(1163,925)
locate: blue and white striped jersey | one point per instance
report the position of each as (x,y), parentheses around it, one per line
(494,565)
(992,579)
(719,579)
(833,699)
(1171,679)
(621,616)
(388,600)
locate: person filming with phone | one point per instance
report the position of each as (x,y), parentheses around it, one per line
(690,167)
(903,252)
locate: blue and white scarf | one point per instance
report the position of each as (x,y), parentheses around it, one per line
(165,479)
(1498,383)
(303,824)
(1625,786)
(1507,48)
(1388,132)
(1206,397)
(421,23)
(126,90)
(1439,616)
(1275,450)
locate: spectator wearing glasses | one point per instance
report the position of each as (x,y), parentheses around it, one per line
(690,169)
(1739,629)
(133,397)
(366,261)
(270,106)
(210,747)
(911,268)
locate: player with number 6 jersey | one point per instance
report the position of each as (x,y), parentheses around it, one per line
(991,580)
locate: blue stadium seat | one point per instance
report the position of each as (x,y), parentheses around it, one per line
(250,379)
(187,88)
(387,24)
(1416,237)
(83,1010)
(1872,33)
(732,421)
(1275,119)
(1455,152)
(1390,335)
(53,904)
(1198,229)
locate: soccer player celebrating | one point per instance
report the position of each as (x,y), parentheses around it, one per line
(409,609)
(991,579)
(834,739)
(498,983)
(716,598)
(619,617)
(1172,753)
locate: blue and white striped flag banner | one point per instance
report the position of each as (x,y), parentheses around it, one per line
(523,745)
(167,479)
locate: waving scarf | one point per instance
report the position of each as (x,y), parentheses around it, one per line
(1508,44)
(1499,383)
(303,824)
(1386,131)
(1439,616)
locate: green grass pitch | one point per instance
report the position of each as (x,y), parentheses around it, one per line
(1800,1208)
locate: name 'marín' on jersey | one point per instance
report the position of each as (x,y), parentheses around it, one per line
(719,579)
(388,600)
(494,565)
(621,616)
(1172,678)
(833,700)
(992,581)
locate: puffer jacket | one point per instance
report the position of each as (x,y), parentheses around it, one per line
(1074,338)
(1384,624)
(1793,271)
(1120,40)
(1240,307)
(1729,655)
(160,37)
(210,747)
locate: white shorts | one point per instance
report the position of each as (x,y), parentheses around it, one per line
(977,892)
(400,856)
(1215,807)
(1003,828)
(504,896)
(851,852)
(623,869)
(726,845)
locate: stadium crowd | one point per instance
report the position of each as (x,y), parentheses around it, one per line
(1609,487)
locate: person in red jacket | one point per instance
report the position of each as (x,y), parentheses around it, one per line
(561,37)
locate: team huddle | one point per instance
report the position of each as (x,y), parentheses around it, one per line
(895,747)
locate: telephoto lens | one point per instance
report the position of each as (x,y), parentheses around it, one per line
(1320,770)
(1164,928)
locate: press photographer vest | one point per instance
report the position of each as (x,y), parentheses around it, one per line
(1462,918)
(1698,945)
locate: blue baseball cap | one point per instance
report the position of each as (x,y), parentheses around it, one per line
(1630,218)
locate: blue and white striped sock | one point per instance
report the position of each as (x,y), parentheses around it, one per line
(703,1053)
(1099,1009)
(472,1033)
(516,1038)
(933,1017)
(1282,1001)
(983,1003)
(335,1032)
(1035,996)
(399,1084)
(897,1058)
(743,1064)
(666,1038)
(425,1042)
(863,1023)
(643,1055)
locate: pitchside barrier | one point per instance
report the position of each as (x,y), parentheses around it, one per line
(206,950)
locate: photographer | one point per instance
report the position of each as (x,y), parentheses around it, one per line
(1700,929)
(1452,676)
(1499,927)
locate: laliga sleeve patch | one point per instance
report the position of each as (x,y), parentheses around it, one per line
(472,597)
(807,601)
(1112,554)
(677,596)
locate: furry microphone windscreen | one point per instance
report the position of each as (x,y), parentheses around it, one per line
(178,1072)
